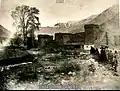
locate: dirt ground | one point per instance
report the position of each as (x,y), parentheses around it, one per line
(101,79)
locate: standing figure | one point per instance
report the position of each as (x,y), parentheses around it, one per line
(75,53)
(116,54)
(102,55)
(110,56)
(92,50)
(115,63)
(96,54)
(107,52)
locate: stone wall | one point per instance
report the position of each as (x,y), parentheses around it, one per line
(43,39)
(95,35)
(114,39)
(69,38)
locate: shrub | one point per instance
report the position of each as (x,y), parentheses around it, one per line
(67,67)
(16,41)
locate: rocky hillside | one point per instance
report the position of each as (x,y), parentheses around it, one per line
(108,19)
(4,35)
(79,26)
(3,32)
(51,30)
(68,27)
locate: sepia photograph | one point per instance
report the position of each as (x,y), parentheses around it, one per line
(59,45)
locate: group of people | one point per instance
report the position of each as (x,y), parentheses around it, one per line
(106,56)
(113,59)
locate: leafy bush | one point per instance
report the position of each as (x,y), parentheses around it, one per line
(8,53)
(67,67)
(16,41)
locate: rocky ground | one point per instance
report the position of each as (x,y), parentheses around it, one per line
(52,74)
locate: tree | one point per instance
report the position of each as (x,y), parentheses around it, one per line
(13,44)
(16,41)
(25,20)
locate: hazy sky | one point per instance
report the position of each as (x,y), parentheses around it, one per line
(52,12)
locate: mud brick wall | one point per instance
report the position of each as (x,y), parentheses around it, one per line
(42,39)
(114,39)
(94,35)
(69,38)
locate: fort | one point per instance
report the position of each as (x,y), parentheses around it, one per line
(92,35)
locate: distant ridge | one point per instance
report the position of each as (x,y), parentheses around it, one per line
(108,20)
(4,32)
(4,35)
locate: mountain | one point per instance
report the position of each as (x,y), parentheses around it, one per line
(79,26)
(4,34)
(51,30)
(106,15)
(68,27)
(108,20)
